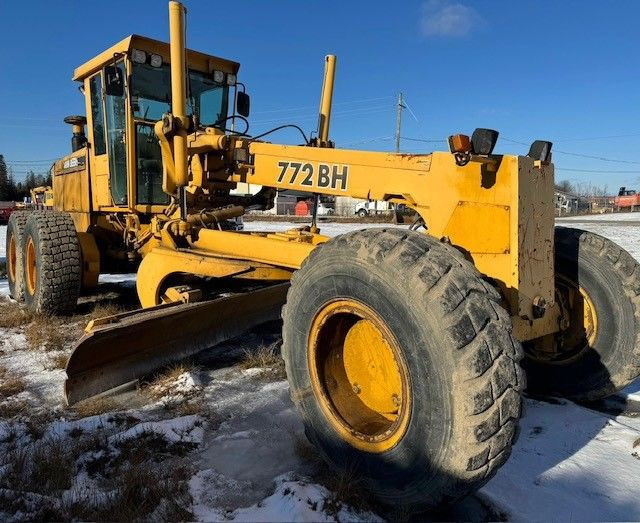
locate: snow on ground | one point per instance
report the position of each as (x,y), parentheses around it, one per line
(229,443)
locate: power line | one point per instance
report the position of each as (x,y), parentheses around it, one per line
(354,112)
(291,109)
(368,140)
(598,138)
(580,155)
(423,140)
(597,171)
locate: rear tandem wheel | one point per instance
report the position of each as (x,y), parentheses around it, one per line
(402,364)
(598,354)
(52,267)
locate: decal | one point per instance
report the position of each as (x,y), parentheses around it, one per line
(321,175)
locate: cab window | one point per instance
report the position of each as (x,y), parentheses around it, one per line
(97,115)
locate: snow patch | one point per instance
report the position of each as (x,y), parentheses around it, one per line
(186,429)
(294,499)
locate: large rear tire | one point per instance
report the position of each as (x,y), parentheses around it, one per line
(401,362)
(15,231)
(598,354)
(52,267)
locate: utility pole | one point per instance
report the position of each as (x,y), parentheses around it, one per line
(400,107)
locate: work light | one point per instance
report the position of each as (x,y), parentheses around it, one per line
(138,56)
(483,141)
(218,77)
(540,150)
(155,60)
(231,79)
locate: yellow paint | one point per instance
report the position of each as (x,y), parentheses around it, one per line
(31,267)
(90,256)
(358,376)
(162,262)
(478,207)
(589,317)
(326,99)
(178,92)
(13,258)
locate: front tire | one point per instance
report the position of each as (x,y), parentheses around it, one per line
(598,353)
(401,362)
(52,267)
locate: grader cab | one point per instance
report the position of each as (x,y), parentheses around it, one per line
(403,347)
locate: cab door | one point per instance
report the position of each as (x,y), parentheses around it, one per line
(98,160)
(116,134)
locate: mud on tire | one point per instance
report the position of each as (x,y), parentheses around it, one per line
(52,266)
(610,276)
(15,230)
(456,341)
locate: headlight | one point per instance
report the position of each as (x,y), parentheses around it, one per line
(156,60)
(231,79)
(138,56)
(218,77)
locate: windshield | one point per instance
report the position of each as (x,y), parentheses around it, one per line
(151,94)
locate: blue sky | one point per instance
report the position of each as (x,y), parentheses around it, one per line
(566,71)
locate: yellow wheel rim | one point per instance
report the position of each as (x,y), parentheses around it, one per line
(13,258)
(358,376)
(589,318)
(31,267)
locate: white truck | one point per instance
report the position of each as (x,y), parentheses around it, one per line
(371,207)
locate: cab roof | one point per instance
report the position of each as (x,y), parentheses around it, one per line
(196,60)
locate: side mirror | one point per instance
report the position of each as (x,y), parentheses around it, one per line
(243,103)
(113,81)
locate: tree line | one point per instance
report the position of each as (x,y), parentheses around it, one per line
(10,190)
(582,189)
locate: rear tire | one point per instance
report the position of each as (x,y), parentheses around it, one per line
(52,267)
(15,231)
(600,354)
(456,417)
(362,213)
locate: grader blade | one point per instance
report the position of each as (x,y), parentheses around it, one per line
(135,344)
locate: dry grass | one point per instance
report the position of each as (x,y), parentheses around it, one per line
(13,407)
(94,406)
(10,384)
(44,468)
(346,484)
(162,383)
(266,357)
(12,315)
(104,309)
(51,333)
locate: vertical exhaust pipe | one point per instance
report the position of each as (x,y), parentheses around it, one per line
(324,118)
(179,96)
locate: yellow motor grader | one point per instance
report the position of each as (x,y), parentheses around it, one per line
(402,346)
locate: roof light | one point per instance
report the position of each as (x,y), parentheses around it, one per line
(218,77)
(231,79)
(155,60)
(138,56)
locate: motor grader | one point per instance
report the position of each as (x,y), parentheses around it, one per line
(403,346)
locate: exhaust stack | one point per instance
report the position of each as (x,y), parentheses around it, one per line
(79,139)
(324,118)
